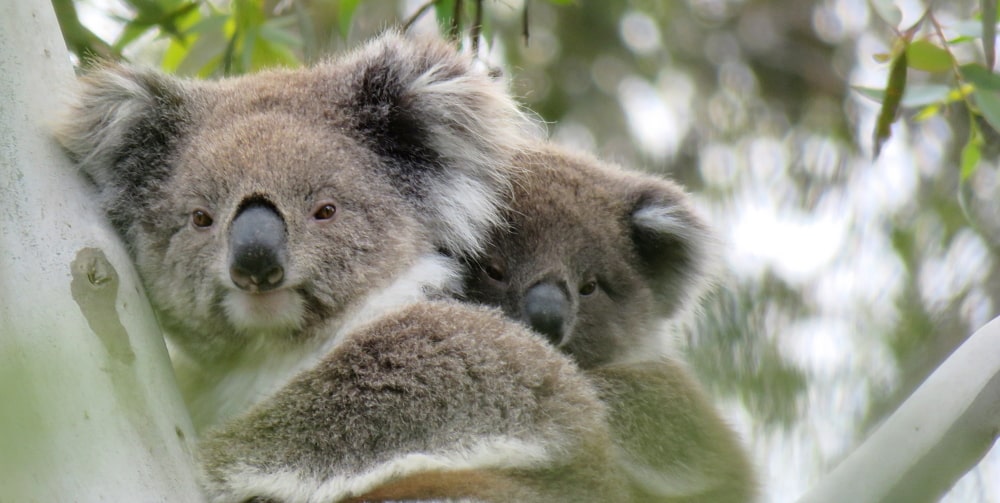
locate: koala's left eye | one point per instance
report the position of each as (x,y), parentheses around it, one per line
(588,288)
(201,219)
(325,211)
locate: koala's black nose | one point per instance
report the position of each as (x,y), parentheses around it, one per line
(257,248)
(546,308)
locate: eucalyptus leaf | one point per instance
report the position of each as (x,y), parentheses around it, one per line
(924,55)
(917,95)
(989,13)
(989,105)
(890,104)
(345,14)
(980,77)
(971,153)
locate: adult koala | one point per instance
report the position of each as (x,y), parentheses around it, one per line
(596,258)
(287,227)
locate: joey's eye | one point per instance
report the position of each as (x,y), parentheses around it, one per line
(494,271)
(325,211)
(588,288)
(201,219)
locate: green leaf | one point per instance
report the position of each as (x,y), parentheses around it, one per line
(980,77)
(130,33)
(204,47)
(443,10)
(971,153)
(989,106)
(272,31)
(887,10)
(914,95)
(890,105)
(927,112)
(870,93)
(266,54)
(345,14)
(923,55)
(924,94)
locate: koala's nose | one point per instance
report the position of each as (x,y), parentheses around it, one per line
(546,308)
(257,248)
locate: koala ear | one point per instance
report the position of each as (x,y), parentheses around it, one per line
(121,125)
(675,247)
(446,126)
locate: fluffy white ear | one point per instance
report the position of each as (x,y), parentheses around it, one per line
(447,128)
(676,247)
(117,108)
(119,130)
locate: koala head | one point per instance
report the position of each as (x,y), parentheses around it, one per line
(592,255)
(269,204)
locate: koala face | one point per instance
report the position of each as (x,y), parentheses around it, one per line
(592,255)
(268,223)
(270,214)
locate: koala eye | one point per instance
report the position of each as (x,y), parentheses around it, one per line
(494,271)
(588,288)
(201,219)
(325,211)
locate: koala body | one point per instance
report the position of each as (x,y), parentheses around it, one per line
(293,230)
(595,257)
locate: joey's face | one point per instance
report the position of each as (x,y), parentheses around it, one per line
(269,225)
(567,276)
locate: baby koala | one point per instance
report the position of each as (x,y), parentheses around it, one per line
(595,258)
(592,256)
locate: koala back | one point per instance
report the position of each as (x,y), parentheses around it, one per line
(593,256)
(270,214)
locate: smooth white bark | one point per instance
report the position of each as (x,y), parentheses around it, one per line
(938,434)
(89,410)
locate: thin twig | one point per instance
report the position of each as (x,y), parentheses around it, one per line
(454,31)
(477,27)
(416,15)
(524,22)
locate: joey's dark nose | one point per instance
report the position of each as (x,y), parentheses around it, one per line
(546,309)
(257,245)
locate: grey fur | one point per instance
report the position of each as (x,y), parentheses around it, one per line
(572,221)
(438,379)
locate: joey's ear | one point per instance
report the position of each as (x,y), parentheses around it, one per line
(676,248)
(447,129)
(121,125)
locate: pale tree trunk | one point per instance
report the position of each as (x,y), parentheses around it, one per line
(89,410)
(938,434)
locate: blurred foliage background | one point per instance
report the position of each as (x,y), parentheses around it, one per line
(848,277)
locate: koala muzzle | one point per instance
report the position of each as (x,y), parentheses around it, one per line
(257,248)
(546,308)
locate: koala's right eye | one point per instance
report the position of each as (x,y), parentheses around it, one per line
(325,211)
(494,271)
(201,219)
